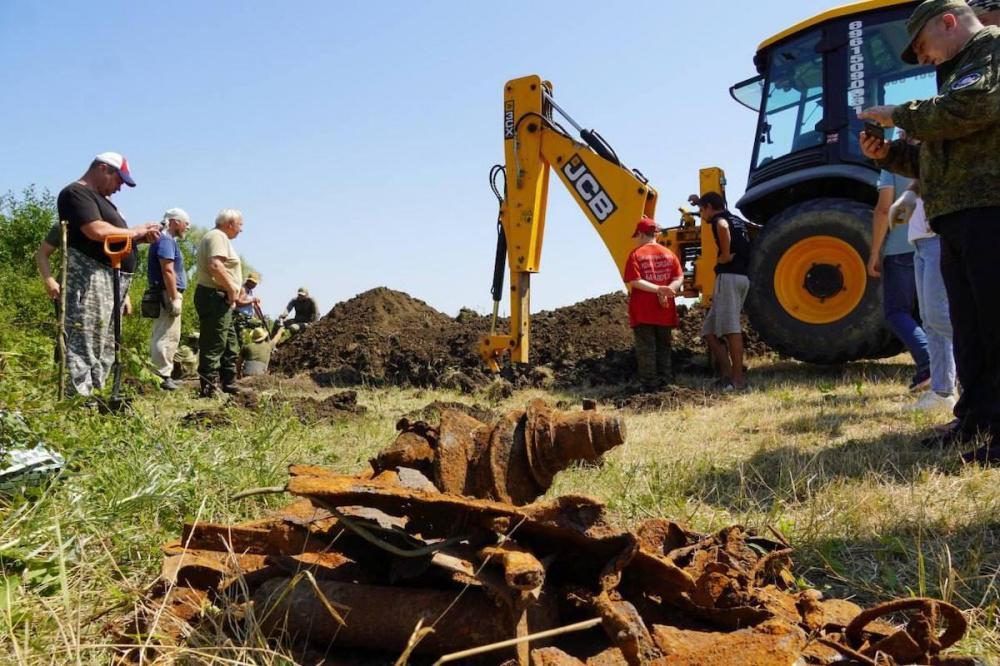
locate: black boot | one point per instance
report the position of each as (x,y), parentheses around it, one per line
(229,384)
(207,389)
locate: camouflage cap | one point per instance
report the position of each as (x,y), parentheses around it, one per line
(984,6)
(924,12)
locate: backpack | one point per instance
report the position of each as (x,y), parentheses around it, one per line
(739,232)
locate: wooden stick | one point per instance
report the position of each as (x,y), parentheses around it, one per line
(579,626)
(61,342)
(271,490)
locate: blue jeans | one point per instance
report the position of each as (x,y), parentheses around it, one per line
(933,300)
(899,293)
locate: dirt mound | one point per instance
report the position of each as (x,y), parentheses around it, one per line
(207,419)
(386,337)
(432,411)
(673,397)
(338,405)
(378,337)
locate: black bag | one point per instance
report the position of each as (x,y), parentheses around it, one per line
(152,302)
(739,234)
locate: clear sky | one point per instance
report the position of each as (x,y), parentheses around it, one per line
(357,136)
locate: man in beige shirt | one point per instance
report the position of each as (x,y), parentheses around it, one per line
(220,275)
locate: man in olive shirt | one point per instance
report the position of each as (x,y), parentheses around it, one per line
(86,206)
(256,353)
(958,164)
(220,275)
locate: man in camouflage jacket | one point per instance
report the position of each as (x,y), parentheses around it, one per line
(958,164)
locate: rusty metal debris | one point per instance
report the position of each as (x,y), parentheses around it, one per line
(512,460)
(444,534)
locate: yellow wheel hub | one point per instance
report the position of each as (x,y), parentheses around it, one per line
(820,280)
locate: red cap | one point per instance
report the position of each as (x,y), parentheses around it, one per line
(646,226)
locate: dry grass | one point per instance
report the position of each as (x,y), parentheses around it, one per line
(826,457)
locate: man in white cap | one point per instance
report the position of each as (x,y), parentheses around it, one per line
(167,281)
(86,206)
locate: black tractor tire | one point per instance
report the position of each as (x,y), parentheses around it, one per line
(862,332)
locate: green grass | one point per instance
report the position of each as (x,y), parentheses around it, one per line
(826,457)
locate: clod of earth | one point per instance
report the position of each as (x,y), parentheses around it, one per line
(360,562)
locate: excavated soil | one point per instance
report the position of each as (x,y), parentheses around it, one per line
(338,405)
(386,337)
(432,412)
(673,397)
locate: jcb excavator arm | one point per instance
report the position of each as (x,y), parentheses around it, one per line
(612,197)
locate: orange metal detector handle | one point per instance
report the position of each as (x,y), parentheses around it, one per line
(116,256)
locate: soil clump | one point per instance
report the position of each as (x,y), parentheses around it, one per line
(671,397)
(336,406)
(433,411)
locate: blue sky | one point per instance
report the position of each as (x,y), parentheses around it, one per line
(357,137)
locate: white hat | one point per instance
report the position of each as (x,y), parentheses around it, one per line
(178,214)
(118,161)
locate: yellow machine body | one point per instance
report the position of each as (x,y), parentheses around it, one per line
(694,244)
(611,196)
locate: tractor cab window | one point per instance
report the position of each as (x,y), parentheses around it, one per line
(793,103)
(877,76)
(749,93)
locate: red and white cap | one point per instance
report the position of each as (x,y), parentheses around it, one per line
(118,161)
(645,227)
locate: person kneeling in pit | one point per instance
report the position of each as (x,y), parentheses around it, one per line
(256,354)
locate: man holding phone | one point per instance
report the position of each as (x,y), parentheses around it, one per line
(958,164)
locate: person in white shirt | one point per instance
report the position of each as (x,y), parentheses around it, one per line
(932,299)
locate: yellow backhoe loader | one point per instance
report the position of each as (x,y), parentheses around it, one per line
(810,190)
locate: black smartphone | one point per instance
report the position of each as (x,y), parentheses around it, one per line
(875,131)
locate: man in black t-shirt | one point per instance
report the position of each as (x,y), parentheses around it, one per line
(305,308)
(722,329)
(91,217)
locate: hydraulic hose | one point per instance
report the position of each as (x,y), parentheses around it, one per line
(499,268)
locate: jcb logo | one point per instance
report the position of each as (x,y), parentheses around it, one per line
(597,200)
(508,120)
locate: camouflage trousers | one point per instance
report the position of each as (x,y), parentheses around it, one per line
(652,355)
(90,336)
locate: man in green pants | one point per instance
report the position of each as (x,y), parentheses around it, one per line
(220,275)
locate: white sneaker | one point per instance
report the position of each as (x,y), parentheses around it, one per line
(932,402)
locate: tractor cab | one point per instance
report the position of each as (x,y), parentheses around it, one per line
(813,80)
(810,186)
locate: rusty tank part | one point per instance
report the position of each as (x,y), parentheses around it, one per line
(381,616)
(512,460)
(768,644)
(626,630)
(918,639)
(521,569)
(359,560)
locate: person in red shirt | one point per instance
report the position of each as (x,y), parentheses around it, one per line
(654,276)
